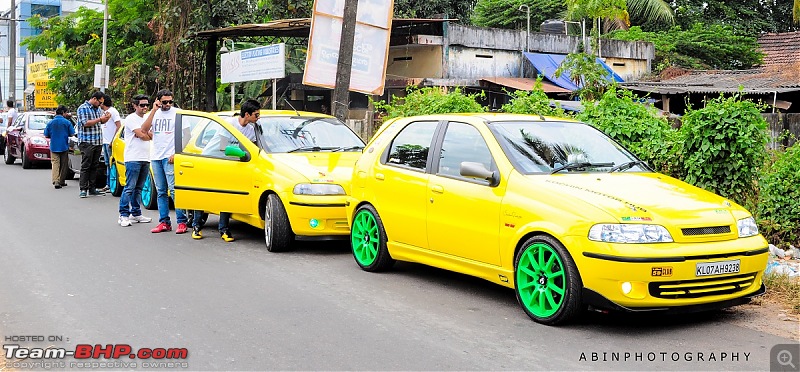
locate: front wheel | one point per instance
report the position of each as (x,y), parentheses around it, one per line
(26,163)
(278,233)
(547,283)
(368,241)
(113,183)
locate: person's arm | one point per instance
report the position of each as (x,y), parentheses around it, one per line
(85,121)
(148,123)
(47,129)
(144,136)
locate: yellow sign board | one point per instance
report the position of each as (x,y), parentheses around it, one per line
(40,70)
(44,98)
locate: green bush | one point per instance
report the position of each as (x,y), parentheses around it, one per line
(430,100)
(779,204)
(639,128)
(534,102)
(724,147)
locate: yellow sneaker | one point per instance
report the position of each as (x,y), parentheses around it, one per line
(196,234)
(226,236)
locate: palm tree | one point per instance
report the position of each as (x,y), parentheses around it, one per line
(796,11)
(619,12)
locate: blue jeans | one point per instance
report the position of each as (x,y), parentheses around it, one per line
(164,176)
(136,174)
(107,156)
(224,220)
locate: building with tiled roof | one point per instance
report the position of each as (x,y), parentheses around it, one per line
(776,82)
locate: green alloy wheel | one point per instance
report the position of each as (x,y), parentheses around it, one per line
(547,283)
(368,241)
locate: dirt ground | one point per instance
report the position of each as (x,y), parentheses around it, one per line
(767,317)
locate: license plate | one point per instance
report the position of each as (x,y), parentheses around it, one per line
(717,268)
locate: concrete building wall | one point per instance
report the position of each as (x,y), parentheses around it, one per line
(418,61)
(475,63)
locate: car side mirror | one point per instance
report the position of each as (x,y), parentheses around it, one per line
(236,152)
(478,170)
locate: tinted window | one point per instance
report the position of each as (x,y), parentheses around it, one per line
(410,147)
(462,142)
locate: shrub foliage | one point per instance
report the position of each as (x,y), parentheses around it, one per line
(779,203)
(430,100)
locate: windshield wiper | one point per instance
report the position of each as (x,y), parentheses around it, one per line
(348,148)
(584,164)
(626,166)
(311,148)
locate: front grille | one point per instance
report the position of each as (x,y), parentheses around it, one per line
(702,287)
(711,230)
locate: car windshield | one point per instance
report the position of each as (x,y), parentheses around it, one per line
(39,122)
(295,134)
(548,147)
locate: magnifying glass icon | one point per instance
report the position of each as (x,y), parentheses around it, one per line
(784,358)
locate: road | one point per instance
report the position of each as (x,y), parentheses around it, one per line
(68,270)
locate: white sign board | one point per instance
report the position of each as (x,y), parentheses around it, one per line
(100,79)
(260,63)
(370,46)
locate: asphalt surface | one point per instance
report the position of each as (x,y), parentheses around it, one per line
(68,270)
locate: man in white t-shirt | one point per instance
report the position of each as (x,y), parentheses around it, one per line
(137,163)
(244,122)
(160,124)
(11,111)
(109,130)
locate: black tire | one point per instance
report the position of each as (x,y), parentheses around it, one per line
(26,163)
(8,158)
(360,241)
(278,234)
(570,302)
(114,186)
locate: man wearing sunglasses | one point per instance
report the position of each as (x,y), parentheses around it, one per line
(137,163)
(245,123)
(160,124)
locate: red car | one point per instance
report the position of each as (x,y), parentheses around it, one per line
(25,139)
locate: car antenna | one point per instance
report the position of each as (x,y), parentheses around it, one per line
(290,105)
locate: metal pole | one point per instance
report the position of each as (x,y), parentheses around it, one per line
(274,93)
(12,52)
(233,85)
(103,82)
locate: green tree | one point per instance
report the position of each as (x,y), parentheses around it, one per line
(535,102)
(760,16)
(701,47)
(591,78)
(506,13)
(460,9)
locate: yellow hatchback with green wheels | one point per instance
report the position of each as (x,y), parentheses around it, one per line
(291,181)
(552,208)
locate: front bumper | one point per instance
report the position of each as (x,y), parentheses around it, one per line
(649,281)
(38,153)
(317,215)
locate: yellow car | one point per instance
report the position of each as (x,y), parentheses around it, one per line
(291,181)
(552,208)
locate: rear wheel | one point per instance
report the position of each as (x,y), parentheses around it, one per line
(368,241)
(547,283)
(113,183)
(26,163)
(149,195)
(278,233)
(7,156)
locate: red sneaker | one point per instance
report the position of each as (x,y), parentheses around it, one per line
(182,229)
(161,228)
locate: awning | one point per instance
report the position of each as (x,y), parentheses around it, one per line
(547,64)
(523,84)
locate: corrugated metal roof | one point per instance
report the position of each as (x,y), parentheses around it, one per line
(524,84)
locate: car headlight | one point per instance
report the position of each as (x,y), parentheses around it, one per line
(318,189)
(747,227)
(629,233)
(39,141)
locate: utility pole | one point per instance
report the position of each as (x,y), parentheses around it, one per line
(103,81)
(341,92)
(12,53)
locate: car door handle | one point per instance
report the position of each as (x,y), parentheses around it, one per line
(187,164)
(437,189)
(380,176)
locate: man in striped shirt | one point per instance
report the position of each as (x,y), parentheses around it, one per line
(90,142)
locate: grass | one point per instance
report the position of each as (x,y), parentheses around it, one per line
(784,291)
